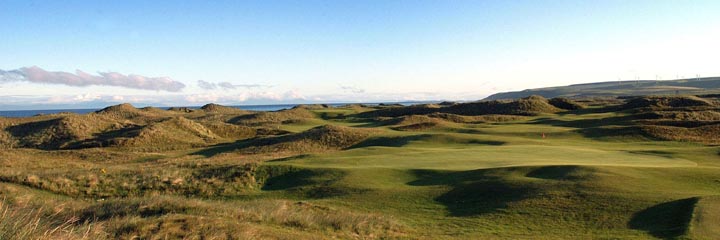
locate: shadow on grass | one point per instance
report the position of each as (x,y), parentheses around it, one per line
(666,220)
(216,149)
(474,192)
(569,172)
(588,123)
(620,127)
(224,147)
(304,183)
(108,138)
(400,141)
(591,110)
(659,153)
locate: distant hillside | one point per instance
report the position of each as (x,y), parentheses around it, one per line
(621,88)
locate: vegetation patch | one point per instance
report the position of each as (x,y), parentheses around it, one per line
(327,137)
(666,101)
(565,103)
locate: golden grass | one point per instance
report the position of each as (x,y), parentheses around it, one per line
(25,222)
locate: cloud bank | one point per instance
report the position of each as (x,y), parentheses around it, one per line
(352,89)
(35,74)
(226,85)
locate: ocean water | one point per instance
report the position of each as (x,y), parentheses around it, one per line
(265,108)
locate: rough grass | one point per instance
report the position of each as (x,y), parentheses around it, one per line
(565,103)
(174,133)
(217,108)
(532,105)
(316,172)
(476,119)
(666,101)
(273,118)
(322,138)
(26,222)
(704,134)
(705,218)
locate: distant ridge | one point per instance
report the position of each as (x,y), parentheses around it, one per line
(707,85)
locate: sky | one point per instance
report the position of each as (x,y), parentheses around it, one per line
(86,54)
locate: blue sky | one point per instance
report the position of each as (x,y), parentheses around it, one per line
(267,52)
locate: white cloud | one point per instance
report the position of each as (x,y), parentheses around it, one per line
(35,74)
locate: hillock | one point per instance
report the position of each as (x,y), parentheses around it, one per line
(60,132)
(124,111)
(173,133)
(666,102)
(416,123)
(217,108)
(277,117)
(528,106)
(327,137)
(565,103)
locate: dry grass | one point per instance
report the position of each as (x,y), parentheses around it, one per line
(476,119)
(216,108)
(174,133)
(704,134)
(273,118)
(323,138)
(666,101)
(565,103)
(25,222)
(705,218)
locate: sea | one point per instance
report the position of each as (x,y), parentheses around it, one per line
(274,107)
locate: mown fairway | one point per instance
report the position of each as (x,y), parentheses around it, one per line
(565,175)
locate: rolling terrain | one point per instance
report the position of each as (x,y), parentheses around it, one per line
(533,168)
(696,86)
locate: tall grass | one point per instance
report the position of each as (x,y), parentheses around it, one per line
(24,222)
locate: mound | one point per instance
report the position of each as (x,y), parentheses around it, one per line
(313,106)
(174,133)
(565,103)
(666,102)
(428,105)
(455,118)
(475,119)
(397,111)
(413,119)
(217,108)
(180,109)
(283,116)
(230,131)
(447,103)
(327,137)
(532,105)
(59,132)
(416,123)
(124,110)
(153,110)
(390,105)
(704,134)
(708,115)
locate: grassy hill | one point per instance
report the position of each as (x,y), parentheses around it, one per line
(694,86)
(534,168)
